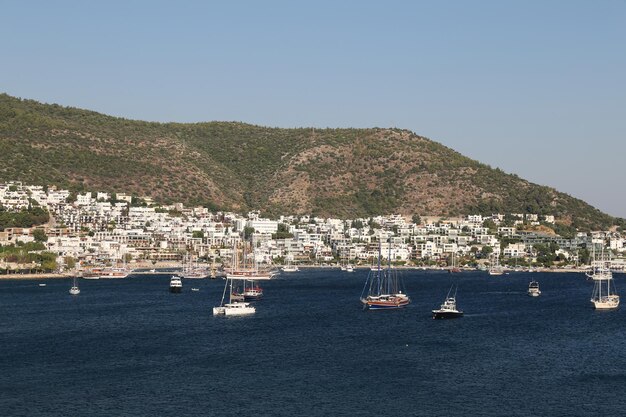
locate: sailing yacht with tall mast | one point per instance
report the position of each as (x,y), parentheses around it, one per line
(604,295)
(191,269)
(244,271)
(382,289)
(453,267)
(494,267)
(233,307)
(290,267)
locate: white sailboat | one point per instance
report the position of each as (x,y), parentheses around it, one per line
(232,308)
(604,295)
(290,267)
(191,269)
(495,268)
(74,290)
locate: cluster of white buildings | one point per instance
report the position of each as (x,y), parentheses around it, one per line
(94,228)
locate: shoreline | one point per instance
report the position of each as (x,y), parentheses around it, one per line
(416,268)
(34,276)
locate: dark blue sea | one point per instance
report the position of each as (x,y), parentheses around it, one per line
(129,347)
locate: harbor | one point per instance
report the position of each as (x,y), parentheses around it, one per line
(311,345)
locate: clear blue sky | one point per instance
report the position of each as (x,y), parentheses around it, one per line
(537,88)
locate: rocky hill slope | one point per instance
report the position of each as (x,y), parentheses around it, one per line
(338,172)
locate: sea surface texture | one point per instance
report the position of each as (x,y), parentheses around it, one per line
(129,347)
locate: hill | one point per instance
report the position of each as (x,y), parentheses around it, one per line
(237,166)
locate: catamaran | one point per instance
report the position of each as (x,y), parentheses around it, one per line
(233,307)
(604,295)
(382,289)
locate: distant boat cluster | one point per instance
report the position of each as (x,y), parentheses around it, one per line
(241,286)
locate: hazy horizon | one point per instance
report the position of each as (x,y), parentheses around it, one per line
(536,89)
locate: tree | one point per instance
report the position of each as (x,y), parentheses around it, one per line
(247,232)
(283,232)
(70,262)
(584,256)
(486,250)
(356,224)
(416,219)
(197,234)
(490,224)
(39,235)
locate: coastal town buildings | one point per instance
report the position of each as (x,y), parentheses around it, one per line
(103,228)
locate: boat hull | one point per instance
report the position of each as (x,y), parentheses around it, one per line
(610,304)
(252,297)
(74,291)
(534,293)
(386,304)
(233,310)
(440,315)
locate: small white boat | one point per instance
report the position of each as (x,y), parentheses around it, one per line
(533,289)
(195,289)
(176,284)
(290,268)
(74,290)
(349,268)
(42,285)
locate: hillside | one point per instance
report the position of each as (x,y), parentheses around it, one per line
(338,172)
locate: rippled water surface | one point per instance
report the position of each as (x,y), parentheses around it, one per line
(129,347)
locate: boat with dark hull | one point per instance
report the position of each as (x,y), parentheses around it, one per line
(448,309)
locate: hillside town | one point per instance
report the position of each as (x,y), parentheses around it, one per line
(92,229)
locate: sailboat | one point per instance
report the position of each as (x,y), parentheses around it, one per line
(453,268)
(604,295)
(74,290)
(495,268)
(233,307)
(244,271)
(251,292)
(290,267)
(191,270)
(382,289)
(448,309)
